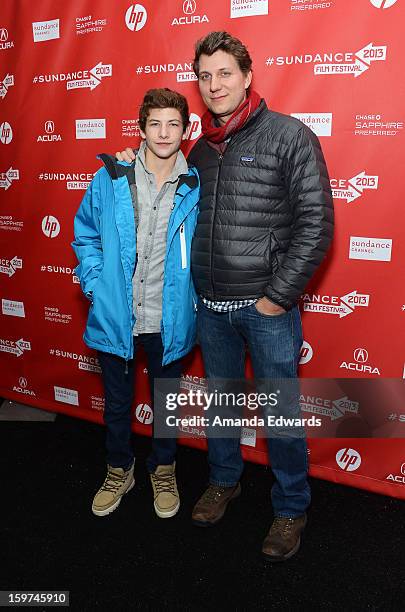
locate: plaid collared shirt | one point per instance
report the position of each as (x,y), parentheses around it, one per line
(227,306)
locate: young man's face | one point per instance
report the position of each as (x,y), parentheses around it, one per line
(222,84)
(163,132)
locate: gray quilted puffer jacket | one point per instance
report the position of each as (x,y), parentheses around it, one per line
(266,211)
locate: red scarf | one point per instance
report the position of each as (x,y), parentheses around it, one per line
(217,135)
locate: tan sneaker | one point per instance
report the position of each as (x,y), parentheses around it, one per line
(118,482)
(165,493)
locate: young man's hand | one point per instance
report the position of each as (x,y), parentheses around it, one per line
(266,307)
(127,156)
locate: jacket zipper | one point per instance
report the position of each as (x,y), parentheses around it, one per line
(183,247)
(220,158)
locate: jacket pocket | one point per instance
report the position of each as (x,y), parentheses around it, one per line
(183,247)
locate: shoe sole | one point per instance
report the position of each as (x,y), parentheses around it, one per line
(234,495)
(292,552)
(166,513)
(115,504)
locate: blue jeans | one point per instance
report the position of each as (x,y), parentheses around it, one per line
(274,344)
(118,380)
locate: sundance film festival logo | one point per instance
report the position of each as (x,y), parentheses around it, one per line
(22,387)
(370,249)
(7,178)
(189,17)
(50,226)
(9,266)
(184,71)
(333,409)
(194,127)
(247,8)
(60,270)
(84,362)
(81,79)
(336,63)
(5,85)
(49,133)
(16,348)
(144,414)
(332,304)
(45,30)
(352,188)
(348,459)
(136,17)
(73,180)
(6,133)
(5,43)
(360,356)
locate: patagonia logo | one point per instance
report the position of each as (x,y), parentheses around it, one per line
(247,158)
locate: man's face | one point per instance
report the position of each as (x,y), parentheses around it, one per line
(222,84)
(163,132)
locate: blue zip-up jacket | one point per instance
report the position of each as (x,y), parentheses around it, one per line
(105,245)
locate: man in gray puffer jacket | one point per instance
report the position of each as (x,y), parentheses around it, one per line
(265,224)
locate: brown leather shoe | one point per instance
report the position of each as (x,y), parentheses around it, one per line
(284,538)
(211,506)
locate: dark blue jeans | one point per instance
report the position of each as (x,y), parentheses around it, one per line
(274,344)
(119,395)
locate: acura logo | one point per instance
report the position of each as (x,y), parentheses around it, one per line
(360,355)
(189,7)
(22,382)
(49,127)
(3,34)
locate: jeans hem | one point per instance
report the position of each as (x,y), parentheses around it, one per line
(219,483)
(125,467)
(292,515)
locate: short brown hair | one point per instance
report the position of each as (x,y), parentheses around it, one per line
(222,41)
(163,98)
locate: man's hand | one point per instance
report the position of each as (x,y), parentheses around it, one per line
(126,156)
(266,307)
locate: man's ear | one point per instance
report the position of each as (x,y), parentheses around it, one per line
(248,79)
(143,135)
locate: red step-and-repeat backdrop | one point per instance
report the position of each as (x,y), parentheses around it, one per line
(72,76)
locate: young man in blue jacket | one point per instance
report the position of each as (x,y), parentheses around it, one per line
(133,235)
